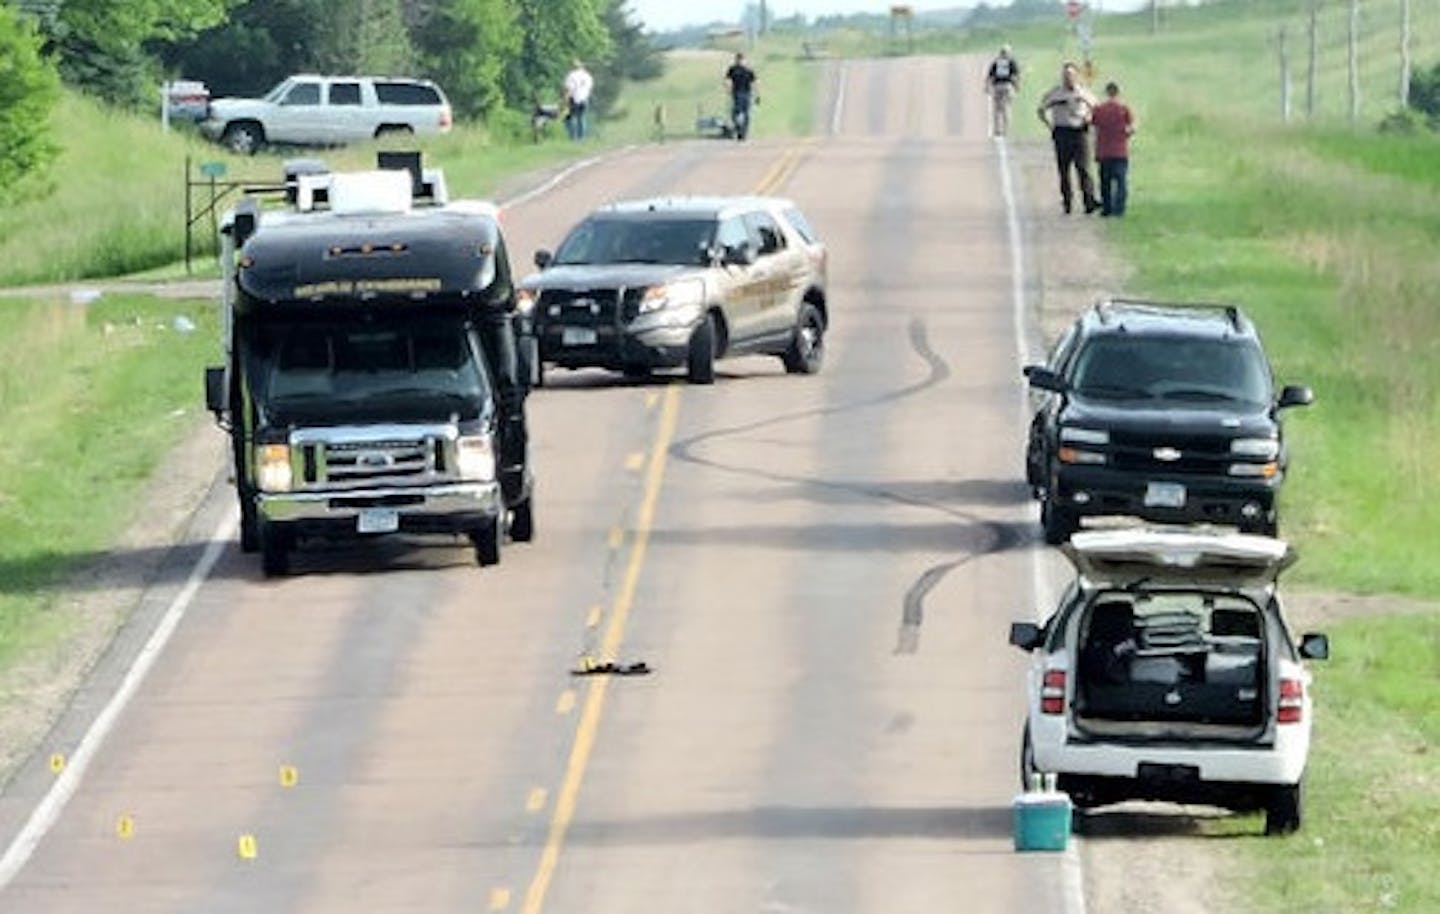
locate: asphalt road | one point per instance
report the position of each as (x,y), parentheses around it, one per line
(817,570)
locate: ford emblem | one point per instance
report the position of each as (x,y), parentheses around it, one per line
(1167,454)
(375,460)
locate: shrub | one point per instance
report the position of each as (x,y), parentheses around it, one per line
(28,89)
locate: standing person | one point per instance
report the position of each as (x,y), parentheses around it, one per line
(578,86)
(1066,109)
(1114,125)
(1002,81)
(740,80)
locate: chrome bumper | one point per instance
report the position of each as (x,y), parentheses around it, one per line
(474,499)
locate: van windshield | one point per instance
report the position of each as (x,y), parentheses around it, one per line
(379,368)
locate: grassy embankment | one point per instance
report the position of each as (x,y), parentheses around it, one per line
(1326,234)
(91,396)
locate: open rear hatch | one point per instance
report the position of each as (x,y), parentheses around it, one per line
(1174,644)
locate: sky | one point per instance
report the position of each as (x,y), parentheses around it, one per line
(662,15)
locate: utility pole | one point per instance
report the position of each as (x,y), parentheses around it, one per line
(1354,61)
(1284,78)
(1314,59)
(1154,16)
(1404,54)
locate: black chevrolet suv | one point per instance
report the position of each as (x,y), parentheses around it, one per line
(1166,412)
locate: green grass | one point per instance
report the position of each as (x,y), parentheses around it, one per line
(114,203)
(1373,790)
(92,397)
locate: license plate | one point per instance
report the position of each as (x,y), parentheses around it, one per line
(1164,495)
(378,520)
(578,336)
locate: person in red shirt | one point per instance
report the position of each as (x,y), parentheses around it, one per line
(1114,125)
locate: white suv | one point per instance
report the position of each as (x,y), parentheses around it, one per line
(1168,672)
(328,111)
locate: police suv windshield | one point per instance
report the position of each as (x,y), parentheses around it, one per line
(629,240)
(1174,369)
(324,370)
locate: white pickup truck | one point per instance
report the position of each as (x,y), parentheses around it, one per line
(312,110)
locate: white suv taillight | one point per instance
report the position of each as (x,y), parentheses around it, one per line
(1052,692)
(1291,709)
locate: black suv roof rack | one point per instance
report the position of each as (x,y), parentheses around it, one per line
(1104,307)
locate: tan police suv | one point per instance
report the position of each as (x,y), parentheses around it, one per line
(680,282)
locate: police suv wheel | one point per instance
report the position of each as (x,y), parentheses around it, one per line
(700,366)
(807,349)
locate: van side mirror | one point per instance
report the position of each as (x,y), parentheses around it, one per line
(1043,378)
(1026,635)
(1296,395)
(215,399)
(543,259)
(1315,646)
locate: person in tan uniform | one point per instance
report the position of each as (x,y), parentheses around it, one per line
(1067,109)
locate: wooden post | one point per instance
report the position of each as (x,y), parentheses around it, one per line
(1154,16)
(1404,54)
(1284,78)
(1314,59)
(1354,61)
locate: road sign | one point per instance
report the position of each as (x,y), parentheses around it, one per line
(212,169)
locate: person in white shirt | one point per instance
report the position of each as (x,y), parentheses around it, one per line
(578,86)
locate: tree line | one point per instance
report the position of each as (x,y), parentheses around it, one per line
(494,58)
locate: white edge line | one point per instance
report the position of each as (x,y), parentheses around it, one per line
(48,811)
(562,176)
(1072,878)
(839,110)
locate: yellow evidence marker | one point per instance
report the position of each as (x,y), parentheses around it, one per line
(124,828)
(247,848)
(289,775)
(57,763)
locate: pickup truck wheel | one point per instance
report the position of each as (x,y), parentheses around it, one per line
(243,138)
(275,546)
(487,543)
(1059,523)
(700,366)
(807,347)
(1284,810)
(522,521)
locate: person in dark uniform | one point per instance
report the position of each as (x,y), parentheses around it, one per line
(1002,81)
(740,80)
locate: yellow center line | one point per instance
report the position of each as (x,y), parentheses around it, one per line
(586,731)
(594,703)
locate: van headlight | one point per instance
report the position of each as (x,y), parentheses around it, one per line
(475,458)
(684,293)
(1261,448)
(273,472)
